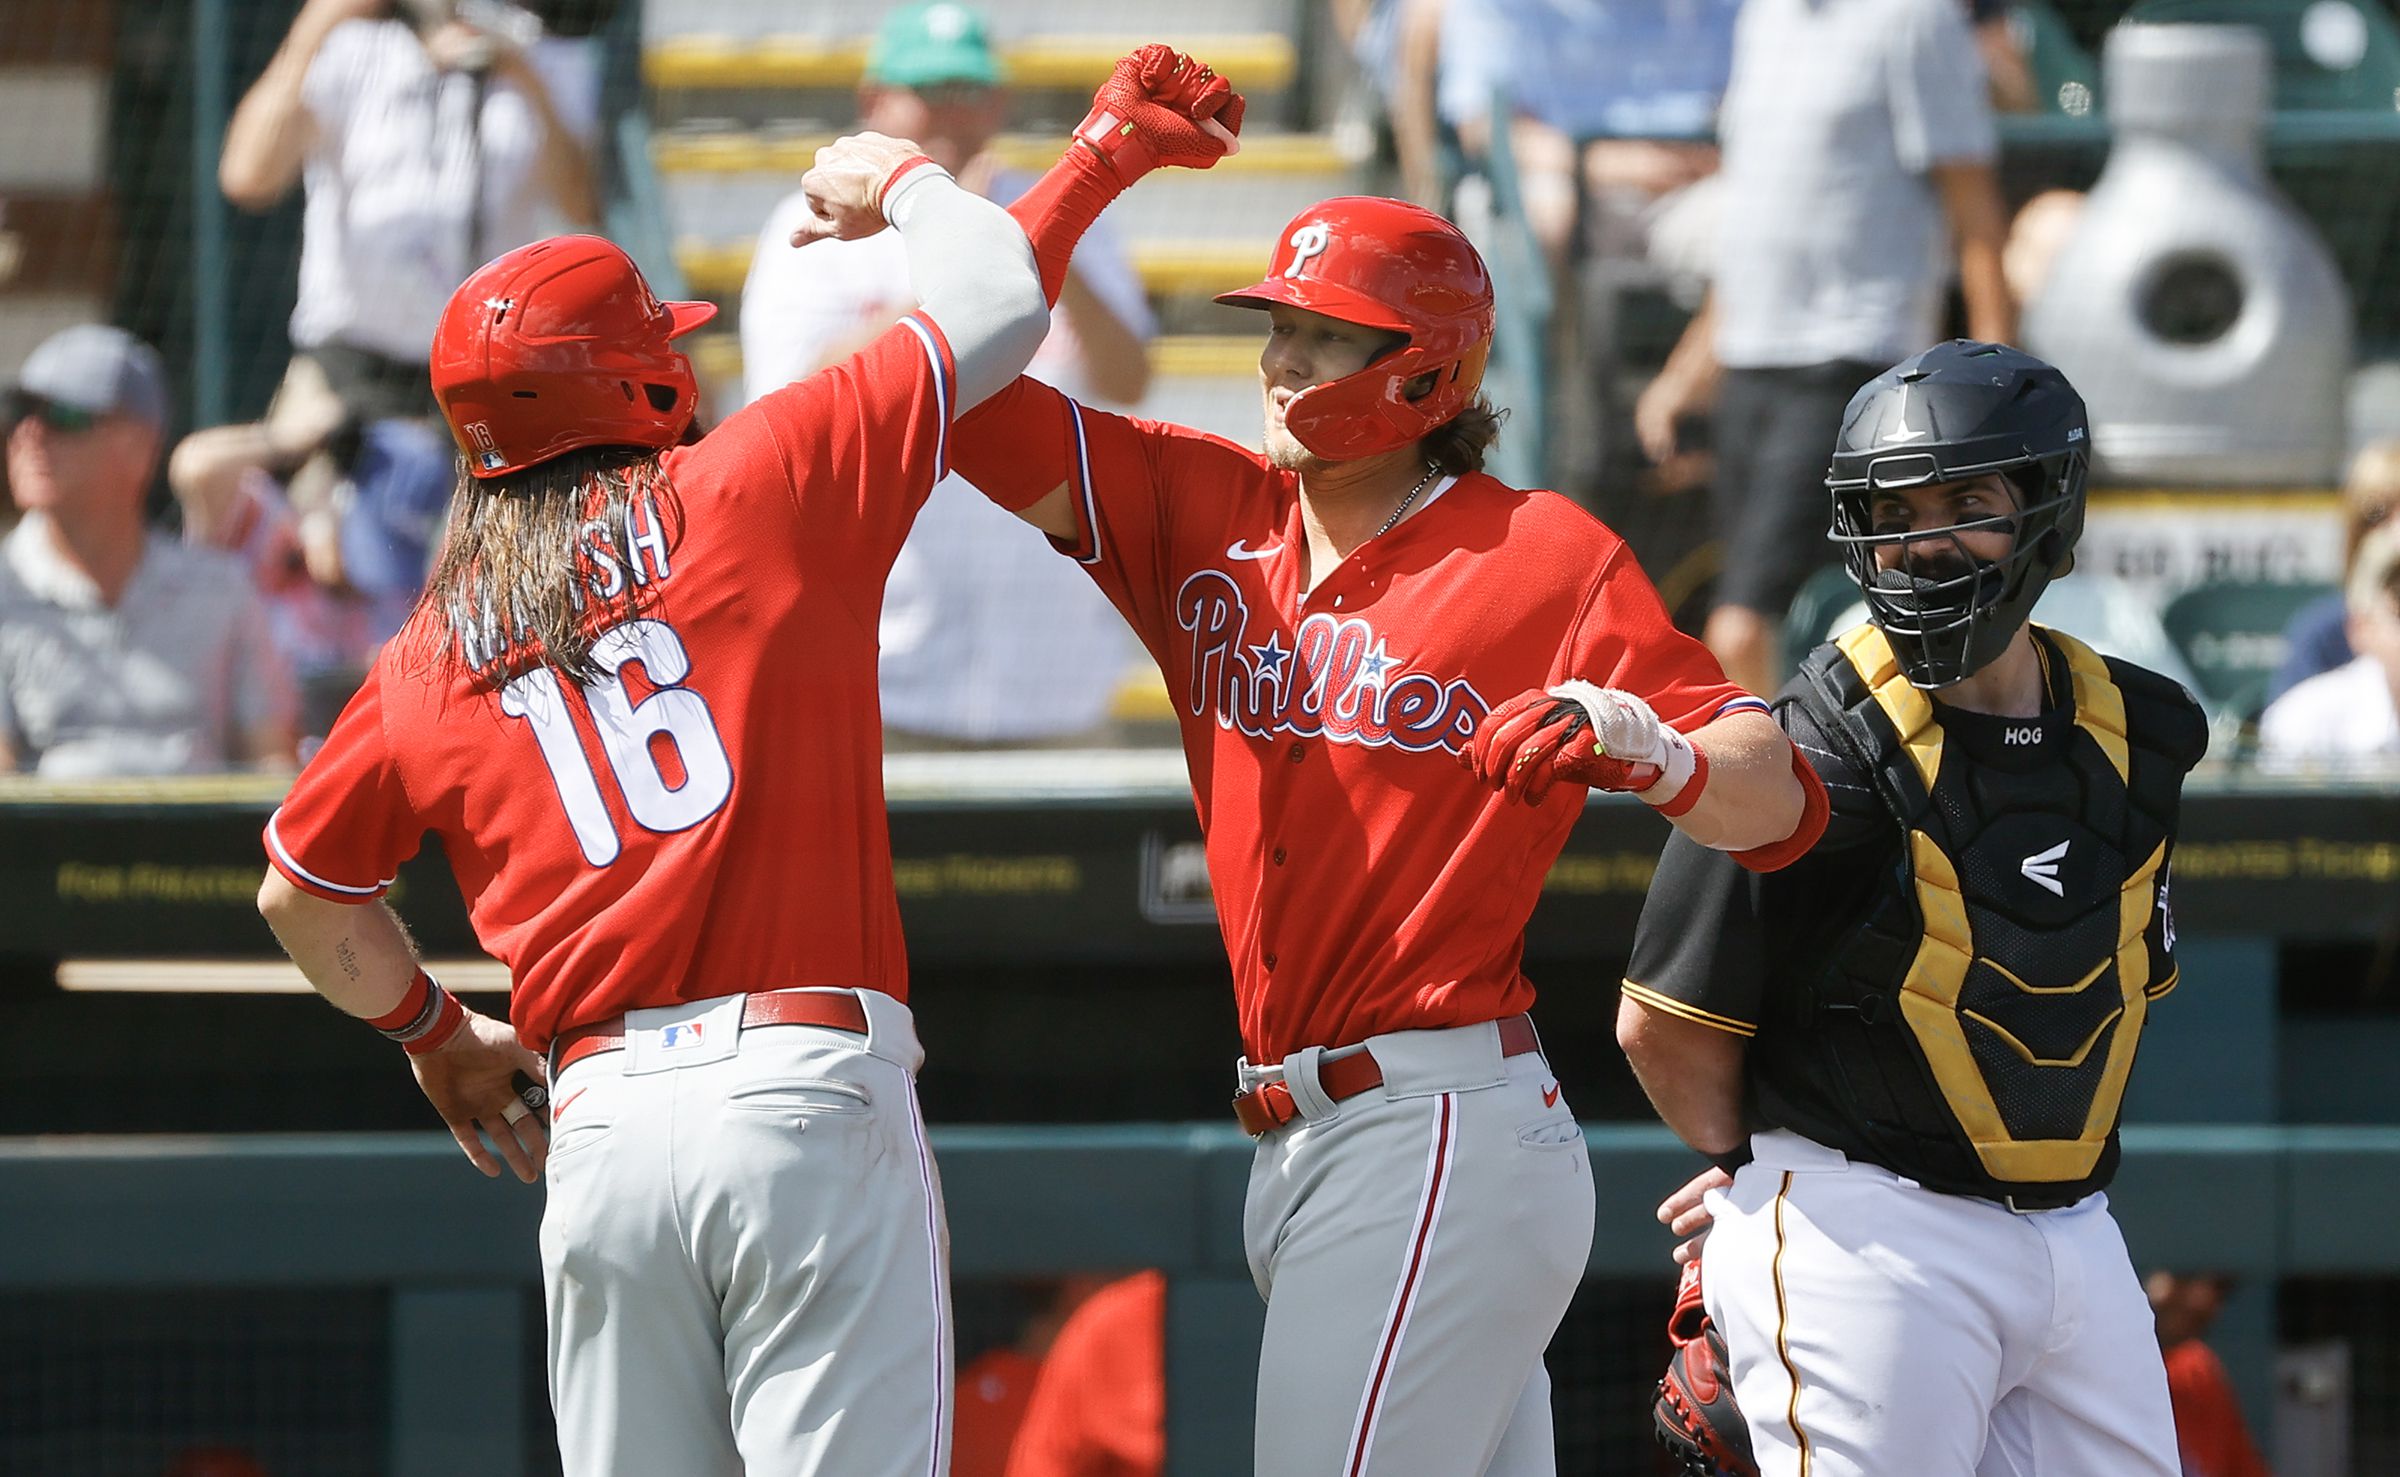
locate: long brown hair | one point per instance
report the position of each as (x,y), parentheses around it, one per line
(518,583)
(1459,444)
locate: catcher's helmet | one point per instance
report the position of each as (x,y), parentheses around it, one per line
(560,345)
(1955,411)
(1388,265)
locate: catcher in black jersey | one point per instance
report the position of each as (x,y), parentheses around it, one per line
(1909,1048)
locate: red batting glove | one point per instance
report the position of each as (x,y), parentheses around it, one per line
(1534,740)
(1162,107)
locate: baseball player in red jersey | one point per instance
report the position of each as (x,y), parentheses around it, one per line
(637,704)
(1340,621)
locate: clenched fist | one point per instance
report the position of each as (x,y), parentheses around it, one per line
(1162,107)
(846,188)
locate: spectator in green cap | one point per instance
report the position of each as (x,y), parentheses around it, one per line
(931,76)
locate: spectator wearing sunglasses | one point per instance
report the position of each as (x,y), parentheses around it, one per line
(122,651)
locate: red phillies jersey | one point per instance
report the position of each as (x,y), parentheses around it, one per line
(710,818)
(1364,881)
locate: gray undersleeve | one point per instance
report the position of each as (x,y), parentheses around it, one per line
(974,276)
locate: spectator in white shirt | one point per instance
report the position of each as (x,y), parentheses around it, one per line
(122,651)
(988,638)
(426,145)
(2348,718)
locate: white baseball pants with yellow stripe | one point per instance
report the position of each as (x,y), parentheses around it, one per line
(1880,1329)
(1417,1245)
(744,1256)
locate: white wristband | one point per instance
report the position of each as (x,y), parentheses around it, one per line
(1675,773)
(1624,727)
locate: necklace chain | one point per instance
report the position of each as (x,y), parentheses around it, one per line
(1406,502)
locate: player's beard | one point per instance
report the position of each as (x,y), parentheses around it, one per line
(1283,450)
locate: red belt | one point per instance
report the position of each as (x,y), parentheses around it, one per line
(836,1009)
(1269,1106)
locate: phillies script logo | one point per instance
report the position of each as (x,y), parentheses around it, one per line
(1336,678)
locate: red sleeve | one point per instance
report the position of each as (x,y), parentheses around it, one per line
(347,825)
(860,444)
(1622,638)
(1021,444)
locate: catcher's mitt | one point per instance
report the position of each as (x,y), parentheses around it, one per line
(1695,1415)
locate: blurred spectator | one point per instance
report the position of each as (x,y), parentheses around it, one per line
(995,1387)
(428,136)
(122,651)
(2318,637)
(1614,103)
(2209,1430)
(988,637)
(2037,233)
(2006,68)
(1853,132)
(2348,718)
(1099,1406)
(426,143)
(340,578)
(1392,43)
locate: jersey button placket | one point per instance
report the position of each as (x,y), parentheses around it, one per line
(1277,856)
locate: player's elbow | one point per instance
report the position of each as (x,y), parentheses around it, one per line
(1663,1046)
(278,899)
(1026,324)
(1634,1034)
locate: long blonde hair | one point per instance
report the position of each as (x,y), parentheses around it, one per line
(517,586)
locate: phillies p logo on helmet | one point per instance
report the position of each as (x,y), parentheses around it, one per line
(1310,240)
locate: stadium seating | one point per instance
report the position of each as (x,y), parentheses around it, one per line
(2231,631)
(743,92)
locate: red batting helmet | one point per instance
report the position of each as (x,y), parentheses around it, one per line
(1389,265)
(561,345)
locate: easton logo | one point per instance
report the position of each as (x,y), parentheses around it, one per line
(1310,240)
(2041,868)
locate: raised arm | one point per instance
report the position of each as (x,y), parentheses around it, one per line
(1158,108)
(268,136)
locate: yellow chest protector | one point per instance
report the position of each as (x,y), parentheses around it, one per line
(1996,998)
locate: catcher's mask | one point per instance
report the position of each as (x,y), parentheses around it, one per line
(1951,414)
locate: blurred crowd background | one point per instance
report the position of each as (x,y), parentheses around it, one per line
(227,226)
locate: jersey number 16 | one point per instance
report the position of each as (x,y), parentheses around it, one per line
(627,732)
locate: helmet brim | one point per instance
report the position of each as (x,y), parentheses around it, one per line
(1319,297)
(682,318)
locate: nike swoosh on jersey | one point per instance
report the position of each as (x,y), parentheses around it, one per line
(1240,549)
(561,1110)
